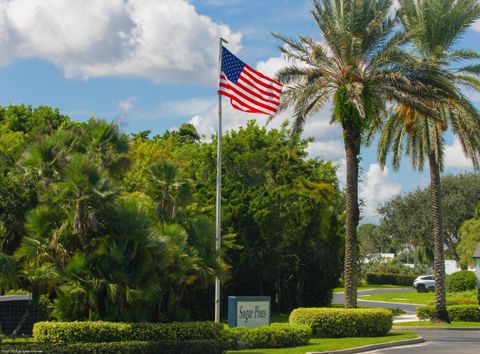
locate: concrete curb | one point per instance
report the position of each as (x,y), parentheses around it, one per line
(416,328)
(364,348)
(389,302)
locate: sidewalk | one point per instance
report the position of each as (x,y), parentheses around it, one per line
(408,317)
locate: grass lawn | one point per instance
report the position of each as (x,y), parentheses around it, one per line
(413,297)
(370,287)
(327,344)
(428,323)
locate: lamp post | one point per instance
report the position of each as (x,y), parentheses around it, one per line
(476,257)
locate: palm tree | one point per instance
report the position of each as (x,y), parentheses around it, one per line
(169,189)
(437,25)
(358,66)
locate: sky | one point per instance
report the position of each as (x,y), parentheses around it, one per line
(152,64)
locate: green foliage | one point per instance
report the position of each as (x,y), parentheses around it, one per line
(461,281)
(460,195)
(394,265)
(98,331)
(340,323)
(469,313)
(373,240)
(203,346)
(460,301)
(277,335)
(469,237)
(285,211)
(121,229)
(390,278)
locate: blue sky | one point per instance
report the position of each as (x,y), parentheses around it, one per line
(151,64)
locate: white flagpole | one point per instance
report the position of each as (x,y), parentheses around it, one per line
(218,204)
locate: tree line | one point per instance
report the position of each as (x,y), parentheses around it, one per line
(106,226)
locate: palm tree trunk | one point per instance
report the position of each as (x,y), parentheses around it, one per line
(351,138)
(440,313)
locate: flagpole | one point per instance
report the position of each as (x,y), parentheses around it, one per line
(218,204)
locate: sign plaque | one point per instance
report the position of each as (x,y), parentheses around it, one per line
(248,311)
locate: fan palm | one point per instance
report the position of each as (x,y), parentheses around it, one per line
(169,189)
(359,66)
(437,25)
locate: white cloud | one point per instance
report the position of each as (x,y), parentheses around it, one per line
(271,66)
(188,107)
(454,156)
(326,150)
(342,172)
(476,25)
(206,120)
(472,95)
(165,41)
(376,188)
(127,104)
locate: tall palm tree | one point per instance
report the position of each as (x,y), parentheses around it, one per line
(359,66)
(169,188)
(437,25)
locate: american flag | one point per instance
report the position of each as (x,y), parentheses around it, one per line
(248,90)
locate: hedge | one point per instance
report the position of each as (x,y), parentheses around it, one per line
(390,278)
(461,281)
(277,335)
(340,323)
(98,331)
(460,301)
(469,313)
(206,346)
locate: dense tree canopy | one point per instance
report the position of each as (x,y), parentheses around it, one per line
(407,218)
(114,227)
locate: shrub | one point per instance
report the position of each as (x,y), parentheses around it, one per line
(205,346)
(339,323)
(460,301)
(461,281)
(98,331)
(390,278)
(278,335)
(469,313)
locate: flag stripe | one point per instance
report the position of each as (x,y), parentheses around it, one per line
(239,100)
(259,82)
(261,76)
(259,91)
(245,101)
(251,100)
(240,105)
(252,95)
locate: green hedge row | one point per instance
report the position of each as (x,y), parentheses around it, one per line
(99,331)
(460,301)
(208,346)
(461,281)
(469,313)
(277,335)
(339,323)
(390,278)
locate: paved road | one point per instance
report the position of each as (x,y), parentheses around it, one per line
(440,342)
(338,298)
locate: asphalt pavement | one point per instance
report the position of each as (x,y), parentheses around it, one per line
(440,342)
(338,298)
(436,341)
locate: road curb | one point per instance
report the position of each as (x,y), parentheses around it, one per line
(389,302)
(364,348)
(416,328)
